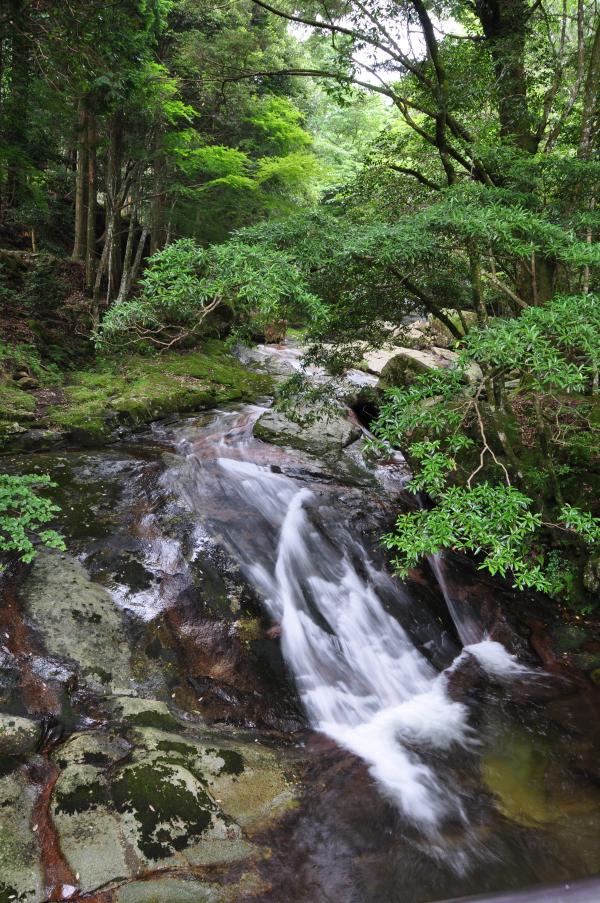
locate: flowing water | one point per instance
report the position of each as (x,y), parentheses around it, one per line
(364,655)
(438,763)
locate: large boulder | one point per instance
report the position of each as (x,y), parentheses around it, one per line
(325,436)
(137,800)
(407,364)
(78,620)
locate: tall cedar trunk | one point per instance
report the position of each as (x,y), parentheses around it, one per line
(158,235)
(504,25)
(79,244)
(14,120)
(114,201)
(90,257)
(590,97)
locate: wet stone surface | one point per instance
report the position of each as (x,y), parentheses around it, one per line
(132,669)
(152,747)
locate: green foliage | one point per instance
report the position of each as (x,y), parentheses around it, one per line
(556,346)
(184,283)
(494,521)
(549,349)
(23,514)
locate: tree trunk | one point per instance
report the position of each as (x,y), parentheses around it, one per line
(504,25)
(79,244)
(114,200)
(590,97)
(15,113)
(138,256)
(159,203)
(90,257)
(126,271)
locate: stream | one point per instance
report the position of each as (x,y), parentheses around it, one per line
(225,623)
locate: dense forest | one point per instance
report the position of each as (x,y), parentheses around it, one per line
(191,157)
(408,189)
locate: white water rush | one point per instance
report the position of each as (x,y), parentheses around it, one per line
(360,675)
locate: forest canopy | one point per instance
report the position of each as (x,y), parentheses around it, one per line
(351,166)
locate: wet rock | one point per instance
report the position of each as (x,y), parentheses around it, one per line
(18,736)
(34,439)
(407,364)
(591,574)
(20,872)
(171,890)
(78,620)
(318,437)
(144,713)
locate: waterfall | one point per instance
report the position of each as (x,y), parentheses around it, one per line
(359,674)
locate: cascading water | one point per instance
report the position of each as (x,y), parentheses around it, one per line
(359,674)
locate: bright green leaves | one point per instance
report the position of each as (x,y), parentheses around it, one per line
(554,346)
(456,439)
(495,522)
(23,512)
(277,123)
(184,283)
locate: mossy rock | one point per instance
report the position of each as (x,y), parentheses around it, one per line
(18,736)
(319,437)
(137,390)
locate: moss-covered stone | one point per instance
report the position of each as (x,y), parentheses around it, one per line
(137,390)
(171,809)
(18,736)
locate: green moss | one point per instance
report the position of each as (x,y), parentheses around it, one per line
(16,410)
(81,799)
(9,894)
(158,720)
(139,389)
(234,761)
(169,815)
(105,676)
(184,749)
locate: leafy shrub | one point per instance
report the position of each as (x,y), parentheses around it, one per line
(487,501)
(23,512)
(184,283)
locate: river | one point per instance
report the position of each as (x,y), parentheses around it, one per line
(435,761)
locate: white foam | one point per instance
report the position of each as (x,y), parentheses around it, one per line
(495,659)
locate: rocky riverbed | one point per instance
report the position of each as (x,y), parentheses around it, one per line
(153,748)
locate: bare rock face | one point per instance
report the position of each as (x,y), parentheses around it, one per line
(407,364)
(318,437)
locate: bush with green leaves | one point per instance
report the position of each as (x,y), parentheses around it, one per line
(465,444)
(23,515)
(184,283)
